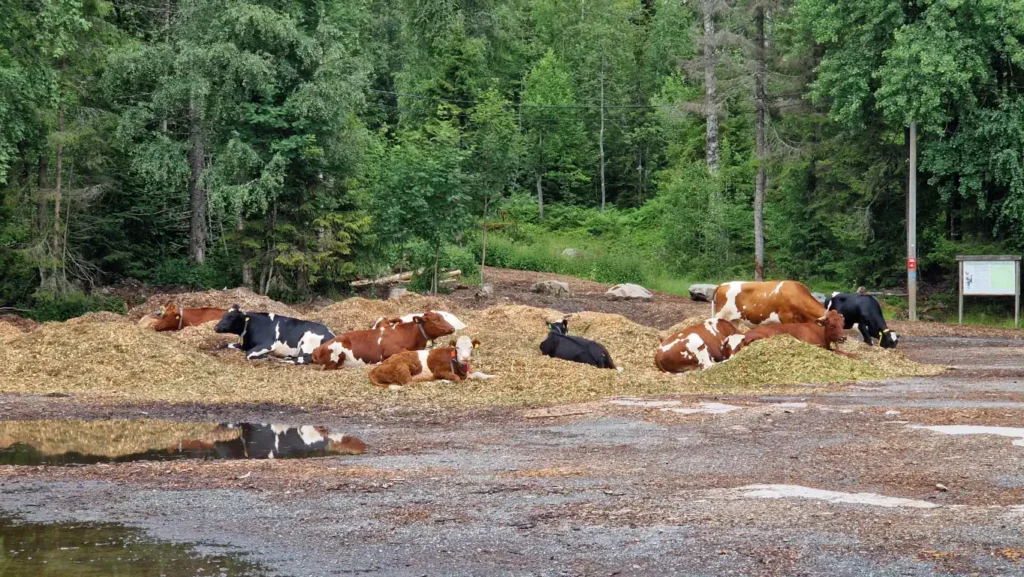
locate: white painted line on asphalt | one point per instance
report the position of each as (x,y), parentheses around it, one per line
(799,492)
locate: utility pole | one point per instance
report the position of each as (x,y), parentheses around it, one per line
(912,226)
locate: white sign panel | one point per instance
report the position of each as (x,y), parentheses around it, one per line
(989,278)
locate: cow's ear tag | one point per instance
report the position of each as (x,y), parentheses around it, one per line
(452,353)
(430,343)
(246,319)
(476,345)
(177,317)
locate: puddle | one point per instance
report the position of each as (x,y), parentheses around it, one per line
(1016,432)
(641,403)
(93,550)
(78,442)
(709,408)
(799,492)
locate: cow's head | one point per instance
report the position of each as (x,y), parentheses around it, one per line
(232,322)
(169,318)
(464,348)
(833,323)
(434,325)
(888,339)
(561,327)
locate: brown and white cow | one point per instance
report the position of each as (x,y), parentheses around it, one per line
(766,302)
(174,318)
(369,347)
(823,332)
(698,346)
(449,363)
(453,320)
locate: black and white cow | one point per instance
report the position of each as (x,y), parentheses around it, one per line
(863,312)
(272,441)
(266,334)
(560,345)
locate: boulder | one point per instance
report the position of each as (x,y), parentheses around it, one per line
(572,252)
(702,293)
(629,292)
(485,292)
(551,287)
(397,291)
(819,297)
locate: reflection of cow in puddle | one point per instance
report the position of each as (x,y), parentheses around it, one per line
(263,441)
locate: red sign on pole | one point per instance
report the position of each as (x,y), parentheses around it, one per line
(911,264)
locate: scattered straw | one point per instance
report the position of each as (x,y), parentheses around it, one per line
(108,438)
(893,362)
(248,300)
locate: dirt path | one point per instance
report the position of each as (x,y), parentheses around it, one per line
(621,489)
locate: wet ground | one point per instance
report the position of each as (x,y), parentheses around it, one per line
(848,482)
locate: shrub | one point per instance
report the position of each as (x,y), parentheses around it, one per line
(53,308)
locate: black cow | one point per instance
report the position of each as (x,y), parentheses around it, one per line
(864,312)
(266,334)
(559,345)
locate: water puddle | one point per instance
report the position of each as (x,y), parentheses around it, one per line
(708,408)
(1014,432)
(800,492)
(94,550)
(78,442)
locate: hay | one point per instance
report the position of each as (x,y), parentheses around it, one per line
(783,360)
(97,317)
(248,300)
(893,362)
(203,337)
(108,438)
(9,332)
(356,314)
(26,325)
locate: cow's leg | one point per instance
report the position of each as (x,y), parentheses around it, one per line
(235,346)
(447,375)
(864,332)
(257,353)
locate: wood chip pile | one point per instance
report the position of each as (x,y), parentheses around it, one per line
(109,438)
(357,313)
(9,332)
(249,301)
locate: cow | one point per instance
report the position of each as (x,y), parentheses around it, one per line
(274,441)
(452,320)
(765,302)
(268,334)
(700,345)
(447,364)
(174,318)
(369,347)
(822,332)
(862,311)
(560,345)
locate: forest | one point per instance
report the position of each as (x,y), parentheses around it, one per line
(295,145)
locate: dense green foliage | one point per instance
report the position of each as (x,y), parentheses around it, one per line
(291,145)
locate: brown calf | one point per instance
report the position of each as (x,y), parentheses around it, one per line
(823,332)
(696,346)
(449,363)
(369,347)
(173,318)
(766,302)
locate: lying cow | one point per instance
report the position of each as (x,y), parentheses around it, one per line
(268,334)
(559,345)
(369,347)
(863,312)
(174,318)
(823,332)
(765,302)
(273,441)
(452,320)
(449,363)
(700,345)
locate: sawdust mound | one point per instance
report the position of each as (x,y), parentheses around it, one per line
(26,325)
(203,338)
(357,313)
(109,438)
(108,358)
(783,360)
(893,362)
(97,317)
(249,301)
(9,332)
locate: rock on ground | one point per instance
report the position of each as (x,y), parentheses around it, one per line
(397,291)
(702,292)
(485,292)
(551,287)
(629,292)
(572,252)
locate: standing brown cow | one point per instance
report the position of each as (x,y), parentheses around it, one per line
(696,346)
(766,302)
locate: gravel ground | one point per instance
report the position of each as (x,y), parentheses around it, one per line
(614,490)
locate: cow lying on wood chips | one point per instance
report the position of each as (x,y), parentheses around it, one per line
(863,312)
(266,334)
(823,332)
(766,302)
(452,320)
(449,363)
(369,347)
(174,318)
(700,346)
(559,345)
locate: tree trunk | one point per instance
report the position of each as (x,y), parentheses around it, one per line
(41,182)
(197,194)
(58,232)
(540,196)
(601,139)
(759,102)
(710,86)
(483,244)
(434,283)
(247,276)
